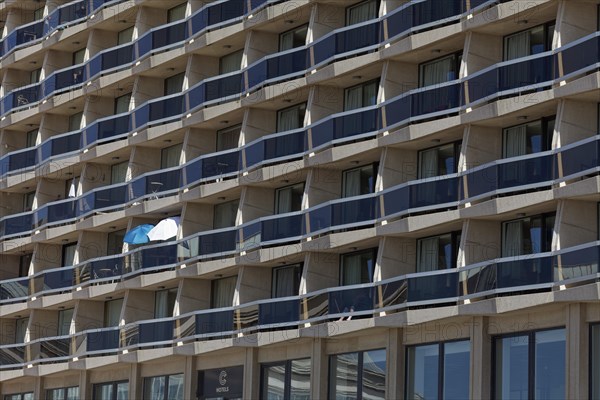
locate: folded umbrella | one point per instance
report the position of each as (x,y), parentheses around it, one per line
(165,229)
(138,235)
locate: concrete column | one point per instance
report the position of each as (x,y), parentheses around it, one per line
(481,359)
(135,382)
(577,355)
(395,365)
(189,378)
(319,378)
(85,388)
(251,374)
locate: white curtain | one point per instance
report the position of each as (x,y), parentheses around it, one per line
(351,270)
(286,41)
(354,98)
(161,304)
(362,12)
(224,291)
(284,200)
(290,118)
(518,46)
(428,163)
(285,281)
(103,392)
(68,255)
(515,141)
(174,84)
(231,62)
(352,183)
(170,156)
(122,103)
(75,121)
(225,214)
(512,242)
(118,172)
(428,254)
(437,72)
(228,138)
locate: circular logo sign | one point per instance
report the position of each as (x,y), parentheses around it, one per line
(223,378)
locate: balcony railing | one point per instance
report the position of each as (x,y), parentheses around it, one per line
(571,266)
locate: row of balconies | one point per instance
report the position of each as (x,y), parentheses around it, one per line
(550,270)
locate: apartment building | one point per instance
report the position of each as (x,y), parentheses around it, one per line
(299,199)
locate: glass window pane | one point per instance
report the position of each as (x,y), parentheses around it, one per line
(34,76)
(357,268)
(231,62)
(75,121)
(550,347)
(291,118)
(123,391)
(28,201)
(171,156)
(228,138)
(118,172)
(21,329)
(293,38)
(512,367)
(112,312)
(362,12)
(223,291)
(32,138)
(286,280)
(64,321)
(289,199)
(103,391)
(344,382)
(274,382)
(122,103)
(154,388)
(78,56)
(300,380)
(373,377)
(125,36)
(457,361)
(73,393)
(176,13)
(56,394)
(175,390)
(174,84)
(439,71)
(225,214)
(359,181)
(68,254)
(422,372)
(115,242)
(595,362)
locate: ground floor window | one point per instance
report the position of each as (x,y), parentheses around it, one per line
(358,375)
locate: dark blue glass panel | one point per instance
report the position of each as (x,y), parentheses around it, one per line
(353,211)
(169,35)
(225,11)
(23,159)
(63,211)
(524,73)
(433,287)
(117,57)
(171,107)
(58,279)
(435,99)
(103,340)
(155,331)
(357,38)
(525,172)
(581,55)
(524,272)
(18,224)
(580,158)
(279,312)
(348,300)
(220,164)
(281,228)
(214,322)
(482,181)
(434,10)
(159,256)
(14,289)
(434,192)
(223,87)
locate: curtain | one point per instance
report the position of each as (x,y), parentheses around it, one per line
(122,103)
(170,156)
(224,290)
(154,388)
(118,172)
(428,163)
(290,118)
(228,138)
(161,304)
(174,84)
(352,183)
(369,97)
(68,255)
(75,121)
(123,391)
(352,270)
(73,393)
(286,282)
(517,46)
(64,321)
(439,71)
(112,312)
(428,254)
(103,392)
(175,390)
(73,188)
(284,200)
(225,214)
(231,62)
(512,242)
(354,98)
(362,12)
(286,41)
(515,141)
(21,330)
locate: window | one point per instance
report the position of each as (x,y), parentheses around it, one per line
(118,172)
(170,156)
(286,380)
(529,235)
(438,371)
(225,214)
(21,329)
(114,242)
(529,42)
(34,76)
(530,366)
(112,312)
(286,281)
(38,14)
(231,62)
(291,117)
(24,263)
(228,138)
(122,103)
(64,321)
(111,391)
(533,137)
(358,375)
(289,198)
(32,138)
(71,393)
(78,57)
(222,291)
(28,201)
(75,121)
(440,160)
(362,95)
(174,84)
(68,254)
(19,396)
(362,12)
(71,186)
(440,70)
(359,181)
(125,36)
(293,38)
(437,252)
(167,387)
(176,13)
(357,267)
(164,303)
(595,361)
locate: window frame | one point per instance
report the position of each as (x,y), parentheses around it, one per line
(146,379)
(372,250)
(457,61)
(543,216)
(164,153)
(106,311)
(213,291)
(287,380)
(237,127)
(546,138)
(121,33)
(236,52)
(297,279)
(65,392)
(114,385)
(117,102)
(216,206)
(172,78)
(76,54)
(547,42)
(377,83)
(375,172)
(63,250)
(531,339)
(441,355)
(278,191)
(455,237)
(61,317)
(172,10)
(360,3)
(22,396)
(301,105)
(332,381)
(456,150)
(293,30)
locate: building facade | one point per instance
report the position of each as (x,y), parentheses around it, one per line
(301,199)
